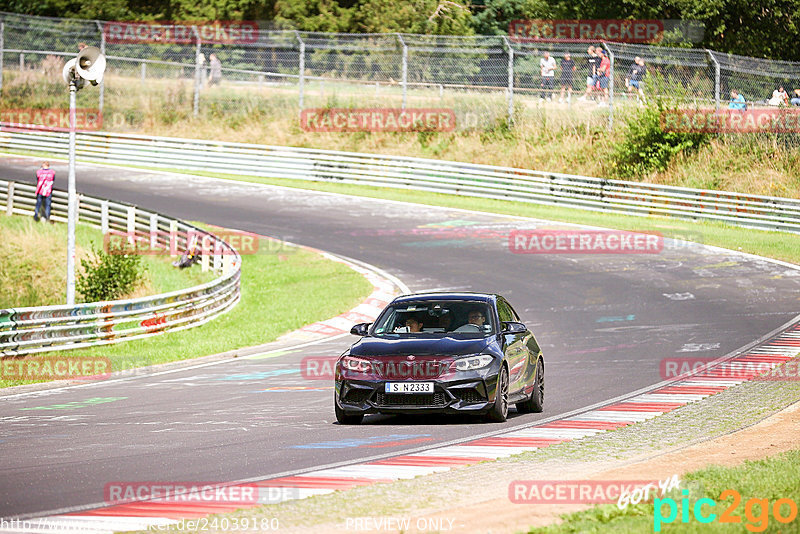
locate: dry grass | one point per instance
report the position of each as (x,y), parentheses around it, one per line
(33,257)
(548,137)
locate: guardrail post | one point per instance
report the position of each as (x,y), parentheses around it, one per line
(227,264)
(204,260)
(716,77)
(104,217)
(301,70)
(153,231)
(131,224)
(10,199)
(173,239)
(510,90)
(404,71)
(217,255)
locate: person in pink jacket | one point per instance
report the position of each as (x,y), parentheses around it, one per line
(44,190)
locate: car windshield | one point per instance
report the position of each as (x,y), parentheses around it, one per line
(437,318)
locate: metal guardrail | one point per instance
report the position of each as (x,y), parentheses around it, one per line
(50,328)
(466,179)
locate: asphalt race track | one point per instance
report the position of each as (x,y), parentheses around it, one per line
(605,323)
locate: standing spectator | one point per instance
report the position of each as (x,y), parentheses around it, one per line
(796,98)
(567,71)
(635,76)
(603,74)
(737,101)
(215,70)
(44,190)
(591,75)
(779,97)
(547,66)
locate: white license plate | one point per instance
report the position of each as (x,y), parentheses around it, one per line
(409,387)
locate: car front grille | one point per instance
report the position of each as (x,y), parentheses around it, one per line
(389,399)
(357,396)
(468,395)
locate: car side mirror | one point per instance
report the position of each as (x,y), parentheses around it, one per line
(513,327)
(360,329)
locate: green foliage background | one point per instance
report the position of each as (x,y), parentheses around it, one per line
(767,28)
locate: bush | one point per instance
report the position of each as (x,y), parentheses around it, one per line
(109,276)
(647,147)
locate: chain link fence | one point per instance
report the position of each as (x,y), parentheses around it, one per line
(485,80)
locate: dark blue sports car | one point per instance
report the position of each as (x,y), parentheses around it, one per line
(447,353)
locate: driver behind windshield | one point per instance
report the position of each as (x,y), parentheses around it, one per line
(476,317)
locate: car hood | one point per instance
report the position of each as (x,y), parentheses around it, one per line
(370,346)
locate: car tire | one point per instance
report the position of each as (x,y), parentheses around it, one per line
(499,411)
(345,418)
(535,404)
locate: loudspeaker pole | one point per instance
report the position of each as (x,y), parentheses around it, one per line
(72,200)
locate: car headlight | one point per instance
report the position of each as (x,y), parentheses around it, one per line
(472,362)
(355,365)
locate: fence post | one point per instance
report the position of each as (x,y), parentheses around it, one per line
(2,49)
(153,231)
(610,88)
(716,77)
(10,199)
(301,70)
(404,71)
(21,61)
(197,78)
(143,73)
(510,90)
(131,226)
(173,239)
(104,217)
(103,51)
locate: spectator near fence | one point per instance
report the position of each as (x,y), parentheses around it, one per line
(635,77)
(591,74)
(603,73)
(567,71)
(796,98)
(45,177)
(215,70)
(547,66)
(737,101)
(779,97)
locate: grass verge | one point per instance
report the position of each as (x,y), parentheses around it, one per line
(282,290)
(760,485)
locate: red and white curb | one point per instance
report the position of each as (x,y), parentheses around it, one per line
(151,514)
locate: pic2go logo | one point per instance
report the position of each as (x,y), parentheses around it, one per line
(783,510)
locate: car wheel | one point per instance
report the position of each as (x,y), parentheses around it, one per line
(536,402)
(345,418)
(499,411)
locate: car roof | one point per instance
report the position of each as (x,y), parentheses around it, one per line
(463,295)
